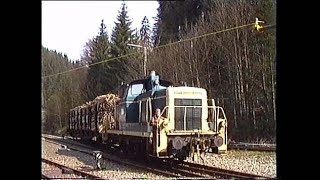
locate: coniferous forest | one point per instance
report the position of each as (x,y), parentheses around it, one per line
(237,67)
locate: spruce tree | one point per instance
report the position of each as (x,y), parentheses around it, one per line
(121,36)
(145,31)
(97,50)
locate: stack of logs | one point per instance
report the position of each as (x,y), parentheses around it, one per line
(106,105)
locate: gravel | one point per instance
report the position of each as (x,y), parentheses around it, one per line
(253,162)
(54,172)
(85,162)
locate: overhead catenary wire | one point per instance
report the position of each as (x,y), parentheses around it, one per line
(162,46)
(85,66)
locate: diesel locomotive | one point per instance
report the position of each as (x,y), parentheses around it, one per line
(195,124)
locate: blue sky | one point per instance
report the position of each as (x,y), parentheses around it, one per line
(68,25)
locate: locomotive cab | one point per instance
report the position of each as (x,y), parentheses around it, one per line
(133,110)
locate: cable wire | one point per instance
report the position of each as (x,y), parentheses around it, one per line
(165,45)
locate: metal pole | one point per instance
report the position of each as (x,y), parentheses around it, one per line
(42,101)
(145,57)
(184,119)
(145,61)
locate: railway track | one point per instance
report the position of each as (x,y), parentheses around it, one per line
(89,151)
(185,169)
(218,173)
(160,168)
(233,146)
(44,176)
(65,172)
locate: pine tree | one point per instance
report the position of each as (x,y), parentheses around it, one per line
(122,33)
(97,50)
(145,38)
(121,36)
(156,33)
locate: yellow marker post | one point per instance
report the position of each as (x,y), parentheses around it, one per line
(258,25)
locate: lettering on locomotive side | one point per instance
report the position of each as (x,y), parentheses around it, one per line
(187,92)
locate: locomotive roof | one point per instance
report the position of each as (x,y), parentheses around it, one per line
(143,81)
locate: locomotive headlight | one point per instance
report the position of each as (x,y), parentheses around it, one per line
(177,143)
(218,141)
